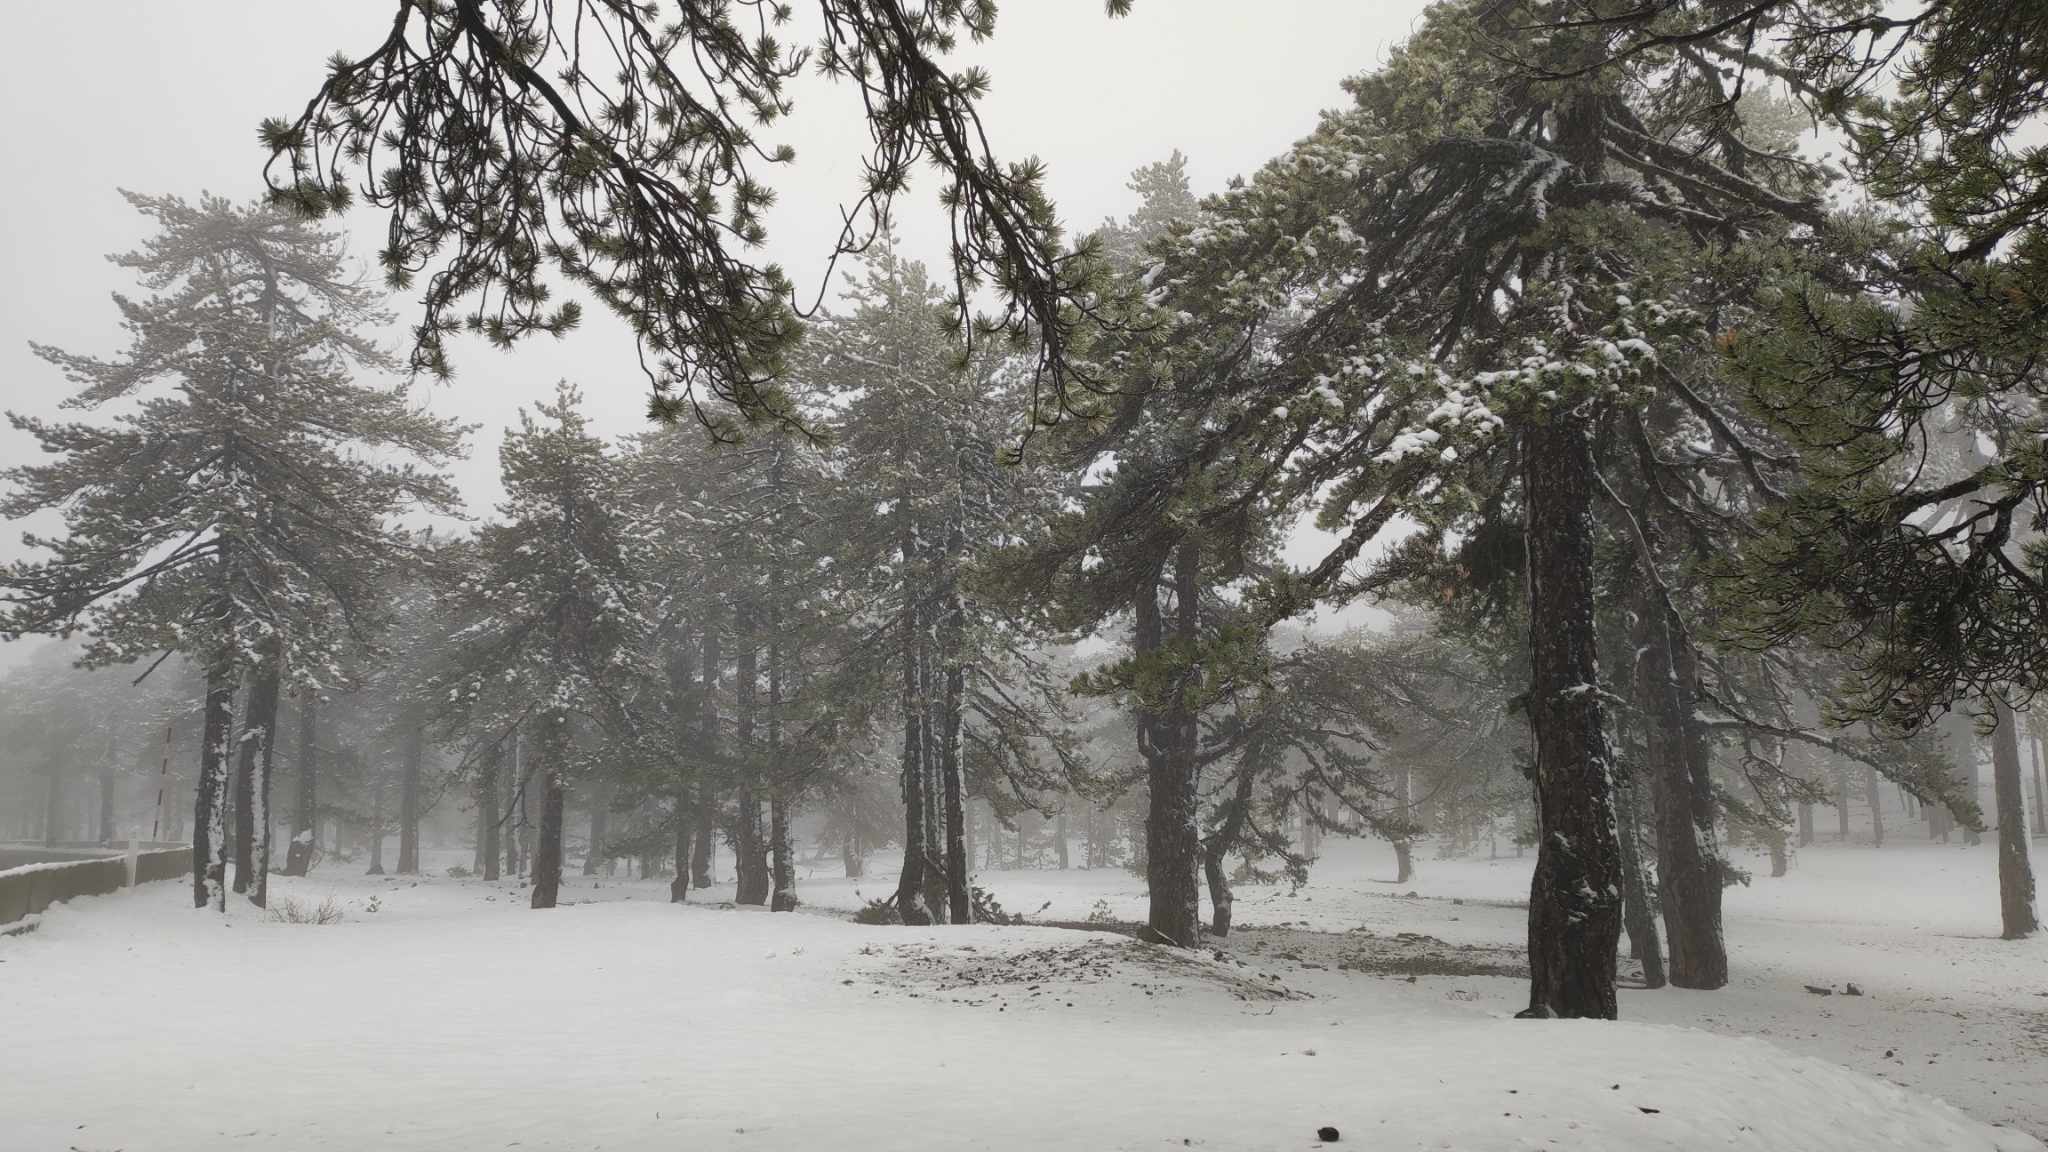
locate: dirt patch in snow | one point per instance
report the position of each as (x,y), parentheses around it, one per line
(1401,954)
(1054,972)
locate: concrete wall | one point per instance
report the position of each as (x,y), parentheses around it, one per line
(30,888)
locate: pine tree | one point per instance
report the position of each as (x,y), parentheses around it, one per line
(927,497)
(234,512)
(1907,542)
(554,634)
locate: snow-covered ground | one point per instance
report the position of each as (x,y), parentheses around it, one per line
(444,1014)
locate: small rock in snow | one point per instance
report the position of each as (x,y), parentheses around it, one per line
(1327,1134)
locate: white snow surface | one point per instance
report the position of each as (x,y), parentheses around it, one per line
(453,1017)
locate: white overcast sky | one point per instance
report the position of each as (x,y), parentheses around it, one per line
(164,97)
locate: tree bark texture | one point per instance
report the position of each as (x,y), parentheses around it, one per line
(1172,837)
(547,849)
(750,847)
(259,716)
(1575,895)
(2017,914)
(209,796)
(1682,798)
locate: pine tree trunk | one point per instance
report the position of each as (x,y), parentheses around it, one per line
(750,848)
(409,802)
(2015,872)
(851,854)
(1842,805)
(1806,824)
(1637,915)
(1973,784)
(1404,847)
(259,717)
(1220,841)
(376,829)
(515,811)
(1172,840)
(105,821)
(679,885)
(265,770)
(53,801)
(707,735)
(782,867)
(1681,791)
(488,812)
(1871,797)
(910,883)
(1575,895)
(1774,843)
(959,908)
(298,857)
(1060,834)
(600,801)
(105,824)
(209,796)
(547,850)
(679,690)
(931,690)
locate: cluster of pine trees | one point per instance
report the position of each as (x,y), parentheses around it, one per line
(1706,470)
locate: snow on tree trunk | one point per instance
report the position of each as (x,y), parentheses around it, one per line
(911,907)
(547,850)
(929,690)
(2015,873)
(298,857)
(259,714)
(1637,914)
(1575,895)
(209,796)
(959,908)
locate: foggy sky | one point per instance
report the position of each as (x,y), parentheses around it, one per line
(164,98)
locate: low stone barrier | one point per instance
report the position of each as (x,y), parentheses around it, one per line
(30,888)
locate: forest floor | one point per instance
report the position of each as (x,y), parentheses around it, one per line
(441,1013)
